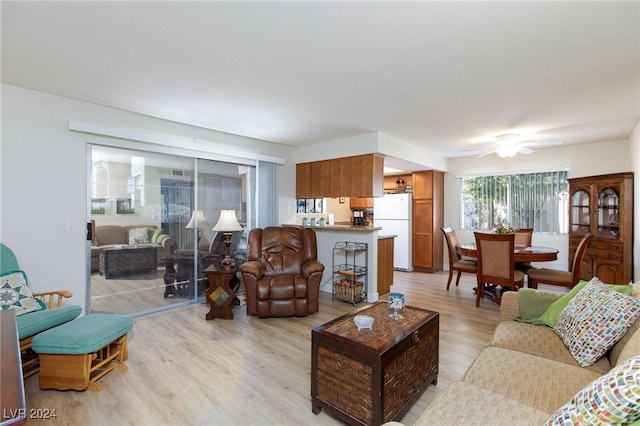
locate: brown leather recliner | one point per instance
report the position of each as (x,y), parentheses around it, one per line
(282,274)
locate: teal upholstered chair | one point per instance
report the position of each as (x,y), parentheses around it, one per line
(51,313)
(8,261)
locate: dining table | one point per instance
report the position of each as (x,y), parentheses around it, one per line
(523,254)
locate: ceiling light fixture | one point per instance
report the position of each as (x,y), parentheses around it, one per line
(508,145)
(506,151)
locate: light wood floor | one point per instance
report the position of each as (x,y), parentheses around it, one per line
(184,370)
(130,294)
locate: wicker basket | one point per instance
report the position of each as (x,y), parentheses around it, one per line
(349,291)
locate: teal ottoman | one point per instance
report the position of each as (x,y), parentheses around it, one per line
(76,354)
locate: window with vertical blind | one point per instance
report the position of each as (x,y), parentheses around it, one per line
(530,200)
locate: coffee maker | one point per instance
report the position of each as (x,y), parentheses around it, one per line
(358,218)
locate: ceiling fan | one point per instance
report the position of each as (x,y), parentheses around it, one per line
(508,145)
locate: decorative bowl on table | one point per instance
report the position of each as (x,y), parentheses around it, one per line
(363,321)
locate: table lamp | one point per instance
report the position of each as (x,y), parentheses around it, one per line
(227,224)
(197,221)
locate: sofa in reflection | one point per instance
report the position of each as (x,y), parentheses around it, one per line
(108,237)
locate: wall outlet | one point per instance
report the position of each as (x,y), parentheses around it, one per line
(63,226)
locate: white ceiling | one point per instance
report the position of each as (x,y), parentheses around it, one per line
(445,75)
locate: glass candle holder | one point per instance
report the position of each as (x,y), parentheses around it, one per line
(396,302)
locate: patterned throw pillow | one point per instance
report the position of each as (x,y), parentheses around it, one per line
(594,320)
(550,316)
(14,294)
(611,399)
(138,236)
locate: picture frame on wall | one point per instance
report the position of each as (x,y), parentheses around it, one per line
(98,205)
(310,205)
(301,205)
(123,206)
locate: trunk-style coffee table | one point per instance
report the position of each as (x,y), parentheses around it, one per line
(373,376)
(127,261)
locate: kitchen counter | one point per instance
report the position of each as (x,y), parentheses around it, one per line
(341,228)
(384,237)
(327,237)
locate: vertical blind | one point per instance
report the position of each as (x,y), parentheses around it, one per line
(268,194)
(532,200)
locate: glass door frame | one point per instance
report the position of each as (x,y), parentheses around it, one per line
(197,164)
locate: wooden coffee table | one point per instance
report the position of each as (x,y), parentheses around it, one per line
(127,261)
(370,377)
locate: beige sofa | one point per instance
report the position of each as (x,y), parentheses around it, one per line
(110,236)
(524,375)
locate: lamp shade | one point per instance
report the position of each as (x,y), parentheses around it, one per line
(228,222)
(197,219)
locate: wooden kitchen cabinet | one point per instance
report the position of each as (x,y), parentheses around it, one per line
(305,185)
(391,182)
(363,176)
(385,264)
(603,205)
(428,218)
(357,176)
(360,203)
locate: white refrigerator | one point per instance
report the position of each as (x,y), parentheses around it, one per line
(393,214)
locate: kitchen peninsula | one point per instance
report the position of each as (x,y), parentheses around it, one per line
(328,236)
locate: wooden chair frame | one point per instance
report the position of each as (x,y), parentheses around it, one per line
(456,263)
(496,266)
(546,276)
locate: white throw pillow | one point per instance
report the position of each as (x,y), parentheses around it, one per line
(138,236)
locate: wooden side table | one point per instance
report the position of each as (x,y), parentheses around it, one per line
(221,293)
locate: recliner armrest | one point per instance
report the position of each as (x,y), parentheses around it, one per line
(253,267)
(311,266)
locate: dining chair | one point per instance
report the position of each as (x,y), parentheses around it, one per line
(456,262)
(568,278)
(496,258)
(524,236)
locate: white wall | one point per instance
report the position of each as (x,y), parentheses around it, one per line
(583,160)
(43,179)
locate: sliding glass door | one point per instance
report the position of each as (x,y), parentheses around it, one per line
(152,216)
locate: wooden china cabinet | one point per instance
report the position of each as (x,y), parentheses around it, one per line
(603,205)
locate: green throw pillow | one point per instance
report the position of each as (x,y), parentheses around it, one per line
(550,317)
(155,233)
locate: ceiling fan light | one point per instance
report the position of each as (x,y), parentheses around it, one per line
(507,150)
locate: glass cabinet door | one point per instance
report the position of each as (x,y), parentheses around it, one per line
(608,213)
(580,215)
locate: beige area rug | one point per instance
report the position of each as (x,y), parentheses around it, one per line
(130,294)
